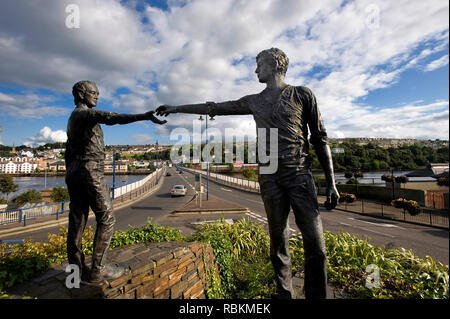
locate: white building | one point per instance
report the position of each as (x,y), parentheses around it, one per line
(10,167)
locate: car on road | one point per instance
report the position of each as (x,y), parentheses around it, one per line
(180,172)
(178,190)
(168,174)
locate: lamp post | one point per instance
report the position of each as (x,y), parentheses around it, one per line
(114,174)
(207,155)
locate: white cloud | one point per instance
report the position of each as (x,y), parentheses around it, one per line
(442,61)
(46,135)
(203,50)
(29,105)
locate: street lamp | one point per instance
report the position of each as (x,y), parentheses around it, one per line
(207,155)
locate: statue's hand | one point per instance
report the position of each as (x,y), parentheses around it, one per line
(153,118)
(332,197)
(165,110)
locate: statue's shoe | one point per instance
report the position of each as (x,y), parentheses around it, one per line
(107,272)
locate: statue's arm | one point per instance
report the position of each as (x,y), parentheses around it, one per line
(112,118)
(237,107)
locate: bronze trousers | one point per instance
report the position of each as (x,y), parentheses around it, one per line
(87,188)
(292,187)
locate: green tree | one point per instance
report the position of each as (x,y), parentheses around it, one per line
(7,185)
(30,196)
(59,194)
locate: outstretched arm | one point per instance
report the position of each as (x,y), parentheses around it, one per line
(238,107)
(112,118)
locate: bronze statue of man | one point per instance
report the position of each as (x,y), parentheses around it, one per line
(292,110)
(85,155)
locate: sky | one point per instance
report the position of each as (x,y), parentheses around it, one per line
(377,68)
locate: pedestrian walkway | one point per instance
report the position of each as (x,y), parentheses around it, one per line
(429,217)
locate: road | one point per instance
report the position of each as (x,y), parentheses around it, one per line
(423,240)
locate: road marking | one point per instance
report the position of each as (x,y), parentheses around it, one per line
(376,224)
(377,232)
(227,190)
(265,221)
(345,224)
(369,230)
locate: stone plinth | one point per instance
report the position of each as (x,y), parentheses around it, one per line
(169,270)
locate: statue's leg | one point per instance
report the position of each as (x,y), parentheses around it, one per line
(276,203)
(78,215)
(304,203)
(100,202)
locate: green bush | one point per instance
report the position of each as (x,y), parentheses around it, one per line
(411,206)
(346,197)
(60,194)
(250,174)
(352,181)
(30,196)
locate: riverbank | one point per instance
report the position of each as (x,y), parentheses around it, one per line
(53,174)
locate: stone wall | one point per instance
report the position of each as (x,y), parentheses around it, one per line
(168,270)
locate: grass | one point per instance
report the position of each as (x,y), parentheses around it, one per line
(243,265)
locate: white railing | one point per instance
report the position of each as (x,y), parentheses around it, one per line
(131,187)
(228,180)
(21,215)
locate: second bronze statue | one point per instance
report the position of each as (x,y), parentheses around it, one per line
(292,110)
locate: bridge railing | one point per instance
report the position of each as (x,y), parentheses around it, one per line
(23,214)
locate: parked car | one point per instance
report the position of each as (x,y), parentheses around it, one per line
(178,190)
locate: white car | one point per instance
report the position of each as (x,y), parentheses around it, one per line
(178,190)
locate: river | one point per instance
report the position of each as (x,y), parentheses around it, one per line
(40,183)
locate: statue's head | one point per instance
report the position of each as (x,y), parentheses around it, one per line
(275,60)
(85,92)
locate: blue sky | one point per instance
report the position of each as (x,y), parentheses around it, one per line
(378,68)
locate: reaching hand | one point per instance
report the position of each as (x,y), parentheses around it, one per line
(153,118)
(332,197)
(165,110)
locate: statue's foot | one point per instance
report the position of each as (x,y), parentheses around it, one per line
(107,272)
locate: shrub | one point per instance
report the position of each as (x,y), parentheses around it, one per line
(442,181)
(352,181)
(411,206)
(387,178)
(401,179)
(30,196)
(60,194)
(358,174)
(250,174)
(347,197)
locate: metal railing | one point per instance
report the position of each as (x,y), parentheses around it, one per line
(426,217)
(369,208)
(121,194)
(228,180)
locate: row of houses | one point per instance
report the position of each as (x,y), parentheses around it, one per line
(24,165)
(21,165)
